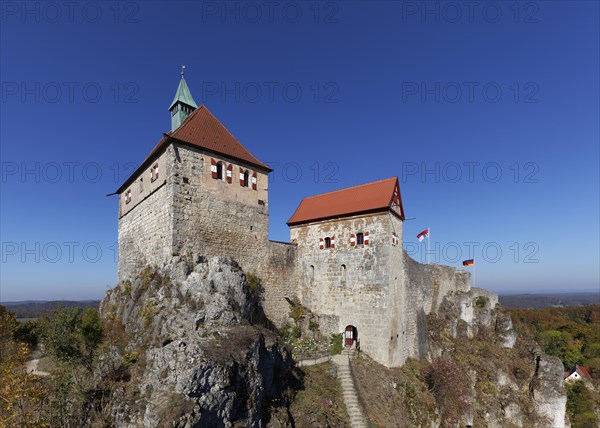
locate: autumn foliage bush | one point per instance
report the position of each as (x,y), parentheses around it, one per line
(449,383)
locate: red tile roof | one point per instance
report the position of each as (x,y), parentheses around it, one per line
(583,371)
(371,197)
(203,130)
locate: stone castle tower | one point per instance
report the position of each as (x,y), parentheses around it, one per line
(201,193)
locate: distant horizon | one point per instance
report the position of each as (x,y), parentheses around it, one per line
(499,293)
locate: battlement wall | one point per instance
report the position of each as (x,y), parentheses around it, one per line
(278,270)
(424,288)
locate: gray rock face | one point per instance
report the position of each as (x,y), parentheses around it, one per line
(547,392)
(531,395)
(199,362)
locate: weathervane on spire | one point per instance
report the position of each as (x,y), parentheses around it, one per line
(182,70)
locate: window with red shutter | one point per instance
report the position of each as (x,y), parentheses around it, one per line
(366,238)
(242,181)
(154,172)
(229,173)
(321,244)
(352,240)
(360,238)
(254,181)
(213,168)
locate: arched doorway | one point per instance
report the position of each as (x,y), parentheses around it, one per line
(350,336)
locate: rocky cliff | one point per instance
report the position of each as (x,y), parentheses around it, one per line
(183,353)
(478,373)
(525,385)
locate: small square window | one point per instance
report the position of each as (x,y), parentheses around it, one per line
(154,172)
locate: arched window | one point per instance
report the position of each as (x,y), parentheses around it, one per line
(360,238)
(311,274)
(344,273)
(246,178)
(328,242)
(220,168)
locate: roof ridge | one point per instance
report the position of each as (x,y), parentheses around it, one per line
(351,187)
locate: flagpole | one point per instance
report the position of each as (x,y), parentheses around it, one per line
(428,243)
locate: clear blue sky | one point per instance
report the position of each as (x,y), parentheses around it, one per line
(488,113)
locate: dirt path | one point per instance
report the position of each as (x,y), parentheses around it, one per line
(32,365)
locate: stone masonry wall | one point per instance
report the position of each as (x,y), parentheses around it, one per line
(425,286)
(357,294)
(144,185)
(145,235)
(216,218)
(278,269)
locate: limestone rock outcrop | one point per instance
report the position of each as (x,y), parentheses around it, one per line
(190,356)
(512,381)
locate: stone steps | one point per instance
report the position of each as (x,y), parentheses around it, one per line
(353,407)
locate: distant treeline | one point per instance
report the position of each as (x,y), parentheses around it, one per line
(39,309)
(569,333)
(540,301)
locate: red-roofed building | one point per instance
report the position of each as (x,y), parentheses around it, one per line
(379,196)
(577,372)
(200,193)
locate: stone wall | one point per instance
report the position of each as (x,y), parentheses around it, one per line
(146,183)
(425,286)
(349,284)
(145,234)
(278,269)
(213,217)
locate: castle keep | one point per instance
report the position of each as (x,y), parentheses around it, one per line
(201,193)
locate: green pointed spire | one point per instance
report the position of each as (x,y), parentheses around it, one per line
(183,103)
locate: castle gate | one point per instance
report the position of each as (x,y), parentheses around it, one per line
(350,336)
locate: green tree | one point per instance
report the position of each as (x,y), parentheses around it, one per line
(580,406)
(90,331)
(554,342)
(8,323)
(21,394)
(72,335)
(27,333)
(594,367)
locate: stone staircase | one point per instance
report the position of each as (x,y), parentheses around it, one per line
(353,407)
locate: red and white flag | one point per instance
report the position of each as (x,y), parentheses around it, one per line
(423,235)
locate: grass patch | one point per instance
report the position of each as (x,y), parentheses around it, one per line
(321,402)
(395,396)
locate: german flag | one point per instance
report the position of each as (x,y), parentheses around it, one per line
(469,262)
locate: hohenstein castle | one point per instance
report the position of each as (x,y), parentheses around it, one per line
(201,193)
